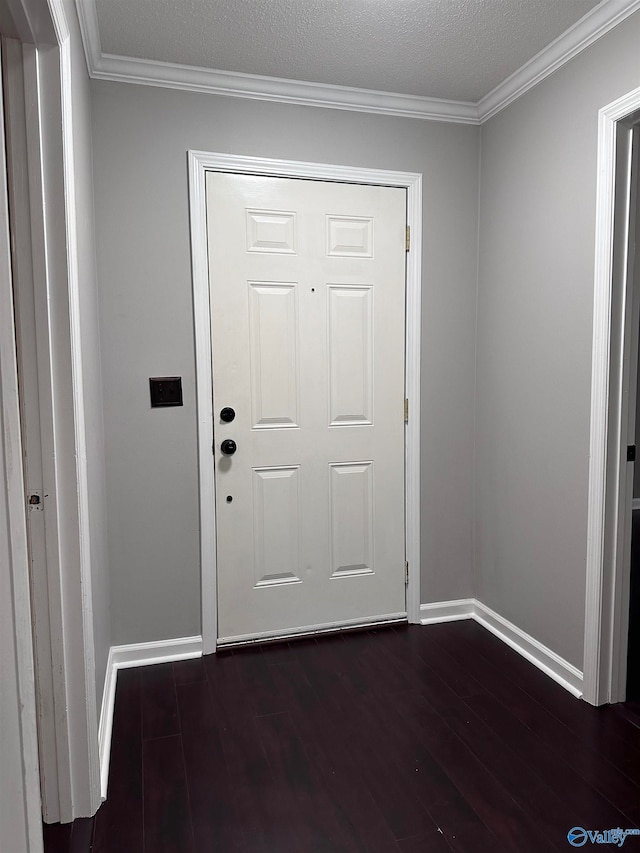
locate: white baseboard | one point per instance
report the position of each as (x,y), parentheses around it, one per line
(183,648)
(105,726)
(446,611)
(556,667)
(534,651)
(123,657)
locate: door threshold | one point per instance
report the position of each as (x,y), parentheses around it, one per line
(311,631)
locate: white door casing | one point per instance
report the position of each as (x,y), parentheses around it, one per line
(199,164)
(20,818)
(606,585)
(307,285)
(70,760)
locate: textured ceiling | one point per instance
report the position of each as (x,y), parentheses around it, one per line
(455,49)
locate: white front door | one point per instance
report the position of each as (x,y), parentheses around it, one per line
(307,284)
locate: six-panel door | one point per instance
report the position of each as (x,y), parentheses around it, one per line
(307,283)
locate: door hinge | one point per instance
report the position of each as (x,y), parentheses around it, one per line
(406,410)
(406,573)
(407,238)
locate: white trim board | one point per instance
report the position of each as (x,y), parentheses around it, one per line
(124,657)
(69,727)
(199,163)
(184,648)
(603,582)
(103,66)
(556,667)
(16,658)
(446,611)
(80,437)
(585,32)
(310,630)
(125,69)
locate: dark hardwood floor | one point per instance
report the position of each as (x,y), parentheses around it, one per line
(411,740)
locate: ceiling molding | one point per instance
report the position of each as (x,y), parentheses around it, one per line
(193,79)
(88,18)
(581,35)
(124,69)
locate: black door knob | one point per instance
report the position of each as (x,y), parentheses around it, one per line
(228,447)
(227,414)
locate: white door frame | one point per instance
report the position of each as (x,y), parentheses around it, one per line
(16,650)
(70,726)
(607,588)
(199,163)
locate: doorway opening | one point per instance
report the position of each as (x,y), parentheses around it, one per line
(199,164)
(609,644)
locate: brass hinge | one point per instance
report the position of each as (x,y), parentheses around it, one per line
(406,410)
(406,573)
(407,238)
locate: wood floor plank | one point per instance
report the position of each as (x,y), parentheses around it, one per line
(434,842)
(57,837)
(580,796)
(187,671)
(618,738)
(167,819)
(332,753)
(81,835)
(591,763)
(527,789)
(460,680)
(253,668)
(630,712)
(263,807)
(356,722)
(488,798)
(318,821)
(232,694)
(159,703)
(214,815)
(394,740)
(446,805)
(292,684)
(119,820)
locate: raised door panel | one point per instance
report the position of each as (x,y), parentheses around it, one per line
(276,525)
(349,237)
(351,514)
(271,231)
(273,334)
(350,344)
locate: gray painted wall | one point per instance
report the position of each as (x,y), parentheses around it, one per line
(90,346)
(537,220)
(141,136)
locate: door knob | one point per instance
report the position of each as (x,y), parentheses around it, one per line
(228,447)
(227,414)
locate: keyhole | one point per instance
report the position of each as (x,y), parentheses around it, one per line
(229,499)
(313,290)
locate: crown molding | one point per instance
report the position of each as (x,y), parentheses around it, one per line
(125,69)
(232,84)
(88,20)
(595,24)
